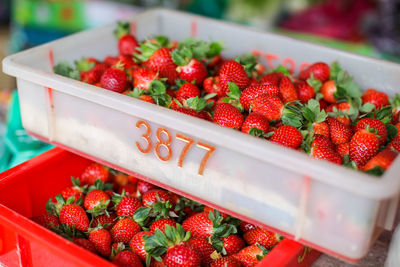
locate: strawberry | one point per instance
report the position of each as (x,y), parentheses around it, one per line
(47,220)
(343,149)
(395,103)
(187,111)
(305,91)
(251,256)
(161,61)
(186,91)
(127,43)
(96,201)
(269,106)
(76,191)
(381,160)
(126,63)
(255,120)
(325,153)
(321,128)
(232,71)
(363,146)
(377,98)
(253,91)
(322,140)
(253,81)
(261,236)
(339,132)
(287,91)
(156,195)
(245,226)
(205,249)
(126,205)
(130,189)
(93,172)
(127,258)
(204,115)
(102,241)
(212,86)
(137,244)
(84,243)
(161,224)
(288,136)
(104,219)
(73,215)
(124,230)
(111,61)
(142,78)
(182,255)
(320,70)
(93,76)
(272,78)
(226,262)
(328,90)
(194,71)
(144,187)
(228,116)
(114,79)
(374,124)
(233,244)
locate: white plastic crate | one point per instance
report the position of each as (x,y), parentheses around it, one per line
(329,207)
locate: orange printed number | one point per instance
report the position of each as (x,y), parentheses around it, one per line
(161,142)
(210,151)
(189,142)
(145,136)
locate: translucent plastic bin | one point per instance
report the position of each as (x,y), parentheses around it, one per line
(24,191)
(328,207)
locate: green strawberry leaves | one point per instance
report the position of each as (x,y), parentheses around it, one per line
(84,65)
(313,113)
(233,96)
(159,210)
(280,69)
(198,104)
(99,184)
(391,132)
(158,92)
(136,93)
(249,62)
(65,69)
(254,131)
(147,49)
(123,28)
(314,83)
(376,171)
(291,114)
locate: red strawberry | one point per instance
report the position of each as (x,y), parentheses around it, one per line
(232,71)
(287,91)
(186,91)
(374,124)
(343,149)
(233,244)
(250,256)
(161,223)
(322,140)
(110,61)
(260,236)
(226,262)
(255,120)
(269,106)
(73,215)
(130,189)
(127,258)
(193,71)
(304,91)
(102,241)
(182,255)
(161,62)
(76,190)
(94,75)
(377,98)
(187,111)
(126,62)
(288,136)
(86,244)
(328,89)
(104,219)
(124,230)
(320,70)
(143,77)
(137,244)
(157,195)
(272,78)
(114,79)
(321,128)
(127,45)
(127,206)
(228,116)
(339,132)
(199,225)
(96,200)
(253,81)
(325,153)
(212,85)
(383,160)
(143,186)
(254,91)
(205,249)
(245,226)
(93,172)
(204,115)
(47,220)
(363,146)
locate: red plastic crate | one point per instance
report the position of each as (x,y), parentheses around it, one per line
(24,191)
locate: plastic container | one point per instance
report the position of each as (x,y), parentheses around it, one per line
(25,243)
(328,207)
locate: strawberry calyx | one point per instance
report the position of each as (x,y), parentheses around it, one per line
(349,163)
(76,182)
(263,252)
(185,203)
(158,91)
(136,92)
(314,83)
(347,89)
(158,244)
(281,69)
(68,232)
(303,116)
(117,249)
(197,104)
(100,185)
(55,208)
(123,28)
(220,230)
(249,63)
(254,131)
(148,48)
(65,69)
(144,215)
(233,96)
(84,65)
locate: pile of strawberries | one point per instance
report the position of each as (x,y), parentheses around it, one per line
(321,111)
(132,223)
